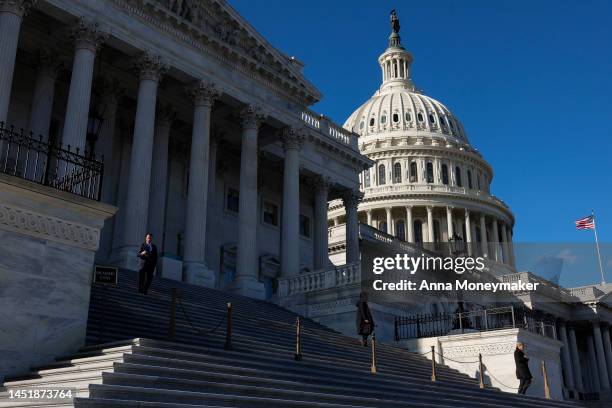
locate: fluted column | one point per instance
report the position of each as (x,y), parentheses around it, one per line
(139,181)
(247,279)
(430,227)
(44,93)
(87,39)
(290,229)
(601,357)
(369,217)
(510,246)
(159,172)
(11,15)
(194,259)
(351,201)
(607,350)
(495,241)
(575,359)
(483,236)
(567,361)
(321,191)
(389,221)
(594,370)
(505,258)
(409,224)
(449,222)
(468,232)
(122,173)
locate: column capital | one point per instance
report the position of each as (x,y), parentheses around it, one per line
(87,34)
(165,114)
(467,212)
(430,208)
(292,137)
(204,93)
(150,66)
(252,116)
(351,198)
(321,183)
(388,210)
(18,7)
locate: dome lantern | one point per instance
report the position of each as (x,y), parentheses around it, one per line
(395,62)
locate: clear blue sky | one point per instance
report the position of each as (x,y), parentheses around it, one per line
(530,80)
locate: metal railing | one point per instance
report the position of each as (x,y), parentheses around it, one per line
(443,324)
(30,158)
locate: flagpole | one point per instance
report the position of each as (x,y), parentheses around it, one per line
(603,279)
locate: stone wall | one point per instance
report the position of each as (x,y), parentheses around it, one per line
(48,239)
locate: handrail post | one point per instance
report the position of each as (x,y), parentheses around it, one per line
(298,340)
(481,371)
(373,366)
(433,363)
(228,330)
(172,322)
(546,385)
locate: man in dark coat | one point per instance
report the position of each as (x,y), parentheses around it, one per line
(522,368)
(365,323)
(148,262)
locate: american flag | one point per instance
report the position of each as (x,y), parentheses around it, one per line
(586,223)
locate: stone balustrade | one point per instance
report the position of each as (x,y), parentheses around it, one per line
(328,128)
(309,282)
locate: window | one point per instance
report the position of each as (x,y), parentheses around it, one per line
(400,230)
(420,117)
(381,174)
(469,173)
(397,173)
(232,200)
(413,173)
(445,174)
(361,125)
(431,118)
(450,123)
(270,213)
(382,226)
(371,121)
(304,226)
(430,177)
(458,176)
(418,231)
(366,178)
(383,119)
(408,117)
(395,118)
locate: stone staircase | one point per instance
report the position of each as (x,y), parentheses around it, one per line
(129,362)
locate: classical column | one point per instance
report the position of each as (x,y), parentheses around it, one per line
(247,279)
(567,361)
(369,215)
(505,258)
(495,241)
(11,15)
(510,246)
(87,38)
(601,357)
(321,190)
(194,258)
(290,229)
(594,371)
(468,232)
(159,172)
(409,224)
(430,228)
(44,93)
(351,200)
(389,221)
(139,180)
(607,350)
(483,236)
(575,359)
(449,222)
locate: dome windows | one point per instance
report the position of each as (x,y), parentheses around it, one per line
(458,176)
(381,175)
(361,125)
(444,174)
(413,173)
(420,117)
(430,175)
(431,118)
(397,173)
(371,121)
(383,119)
(408,117)
(395,118)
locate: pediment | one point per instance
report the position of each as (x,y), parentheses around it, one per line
(215,25)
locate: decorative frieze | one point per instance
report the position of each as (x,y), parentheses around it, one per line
(472,350)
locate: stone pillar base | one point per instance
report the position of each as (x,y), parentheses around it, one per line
(126,257)
(197,273)
(248,286)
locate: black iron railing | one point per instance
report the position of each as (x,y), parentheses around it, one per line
(442,324)
(33,159)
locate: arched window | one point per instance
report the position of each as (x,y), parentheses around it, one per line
(469,173)
(430,177)
(432,119)
(413,173)
(397,173)
(361,125)
(408,117)
(445,174)
(418,231)
(366,178)
(371,121)
(383,119)
(381,174)
(420,117)
(400,230)
(395,118)
(382,226)
(458,176)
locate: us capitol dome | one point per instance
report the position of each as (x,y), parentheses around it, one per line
(428,184)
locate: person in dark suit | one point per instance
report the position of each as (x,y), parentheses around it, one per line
(365,323)
(148,262)
(522,368)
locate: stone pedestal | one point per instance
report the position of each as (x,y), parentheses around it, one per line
(48,239)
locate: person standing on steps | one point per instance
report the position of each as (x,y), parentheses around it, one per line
(148,262)
(365,323)
(522,368)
